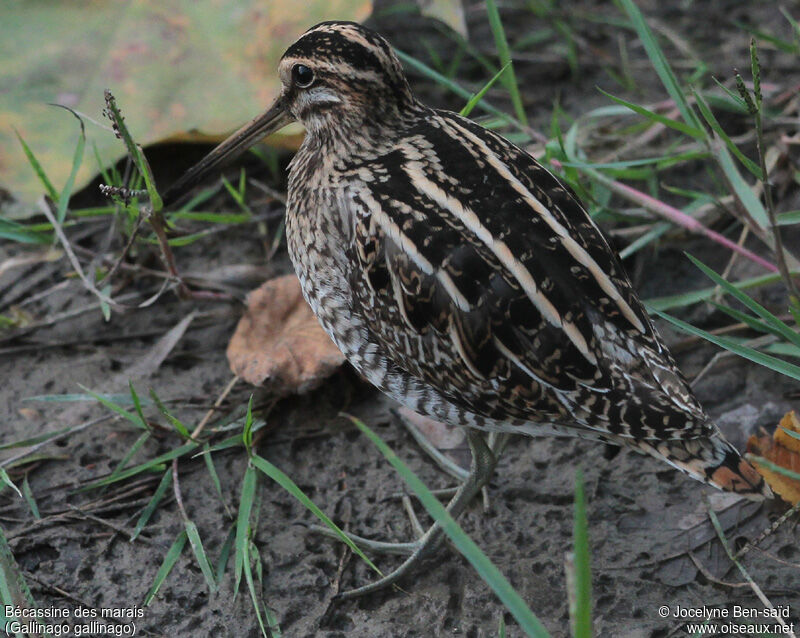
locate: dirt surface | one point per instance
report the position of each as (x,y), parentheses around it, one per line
(651,540)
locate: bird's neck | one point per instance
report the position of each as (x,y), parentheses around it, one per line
(354,131)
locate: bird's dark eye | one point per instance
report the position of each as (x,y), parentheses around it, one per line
(302,76)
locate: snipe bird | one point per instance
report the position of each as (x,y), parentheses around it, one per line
(462,278)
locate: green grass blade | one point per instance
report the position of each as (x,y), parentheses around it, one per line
(247,430)
(473,101)
(212,471)
(52,193)
(771,320)
(794,24)
(740,104)
(651,235)
(660,64)
(782,348)
(212,218)
(6,479)
(741,188)
(102,166)
(454,87)
(709,117)
(152,464)
(152,504)
(21,234)
(27,493)
(13,588)
(794,435)
(784,45)
(180,428)
(137,404)
(66,192)
(243,523)
(116,407)
(773,363)
(509,77)
(137,444)
(286,483)
(36,439)
(787,219)
(695,296)
(134,151)
(743,317)
(200,554)
(224,555)
(682,127)
(119,399)
(778,469)
(248,575)
(582,562)
(171,557)
(487,571)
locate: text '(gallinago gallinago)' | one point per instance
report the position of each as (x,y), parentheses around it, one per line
(462,278)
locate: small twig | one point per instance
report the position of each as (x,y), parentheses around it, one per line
(74,260)
(277,196)
(117,528)
(412,516)
(39,446)
(742,238)
(709,576)
(756,589)
(771,556)
(214,409)
(346,551)
(752,343)
(125,250)
(62,316)
(768,531)
(176,488)
(157,222)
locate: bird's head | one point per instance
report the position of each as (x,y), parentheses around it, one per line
(341,75)
(340,80)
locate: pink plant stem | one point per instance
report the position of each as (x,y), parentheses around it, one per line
(676,217)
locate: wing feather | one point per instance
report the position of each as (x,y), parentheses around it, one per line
(511,301)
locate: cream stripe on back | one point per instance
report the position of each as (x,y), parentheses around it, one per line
(575,249)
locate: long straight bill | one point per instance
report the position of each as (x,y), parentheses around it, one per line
(272,120)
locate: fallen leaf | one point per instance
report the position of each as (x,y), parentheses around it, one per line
(451,12)
(205,65)
(280,340)
(781,449)
(791,423)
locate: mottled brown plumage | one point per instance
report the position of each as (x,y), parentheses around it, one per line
(460,276)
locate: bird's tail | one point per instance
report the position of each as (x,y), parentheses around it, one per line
(714,461)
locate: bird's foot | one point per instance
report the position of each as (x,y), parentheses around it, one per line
(367,544)
(484,459)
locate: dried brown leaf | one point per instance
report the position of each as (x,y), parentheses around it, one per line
(279,340)
(783,450)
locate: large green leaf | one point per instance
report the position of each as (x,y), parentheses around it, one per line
(174,66)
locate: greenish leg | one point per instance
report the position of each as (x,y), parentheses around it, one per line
(482,466)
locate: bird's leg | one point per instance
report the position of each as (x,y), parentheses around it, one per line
(481,468)
(497,442)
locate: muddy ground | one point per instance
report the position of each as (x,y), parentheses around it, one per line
(651,542)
